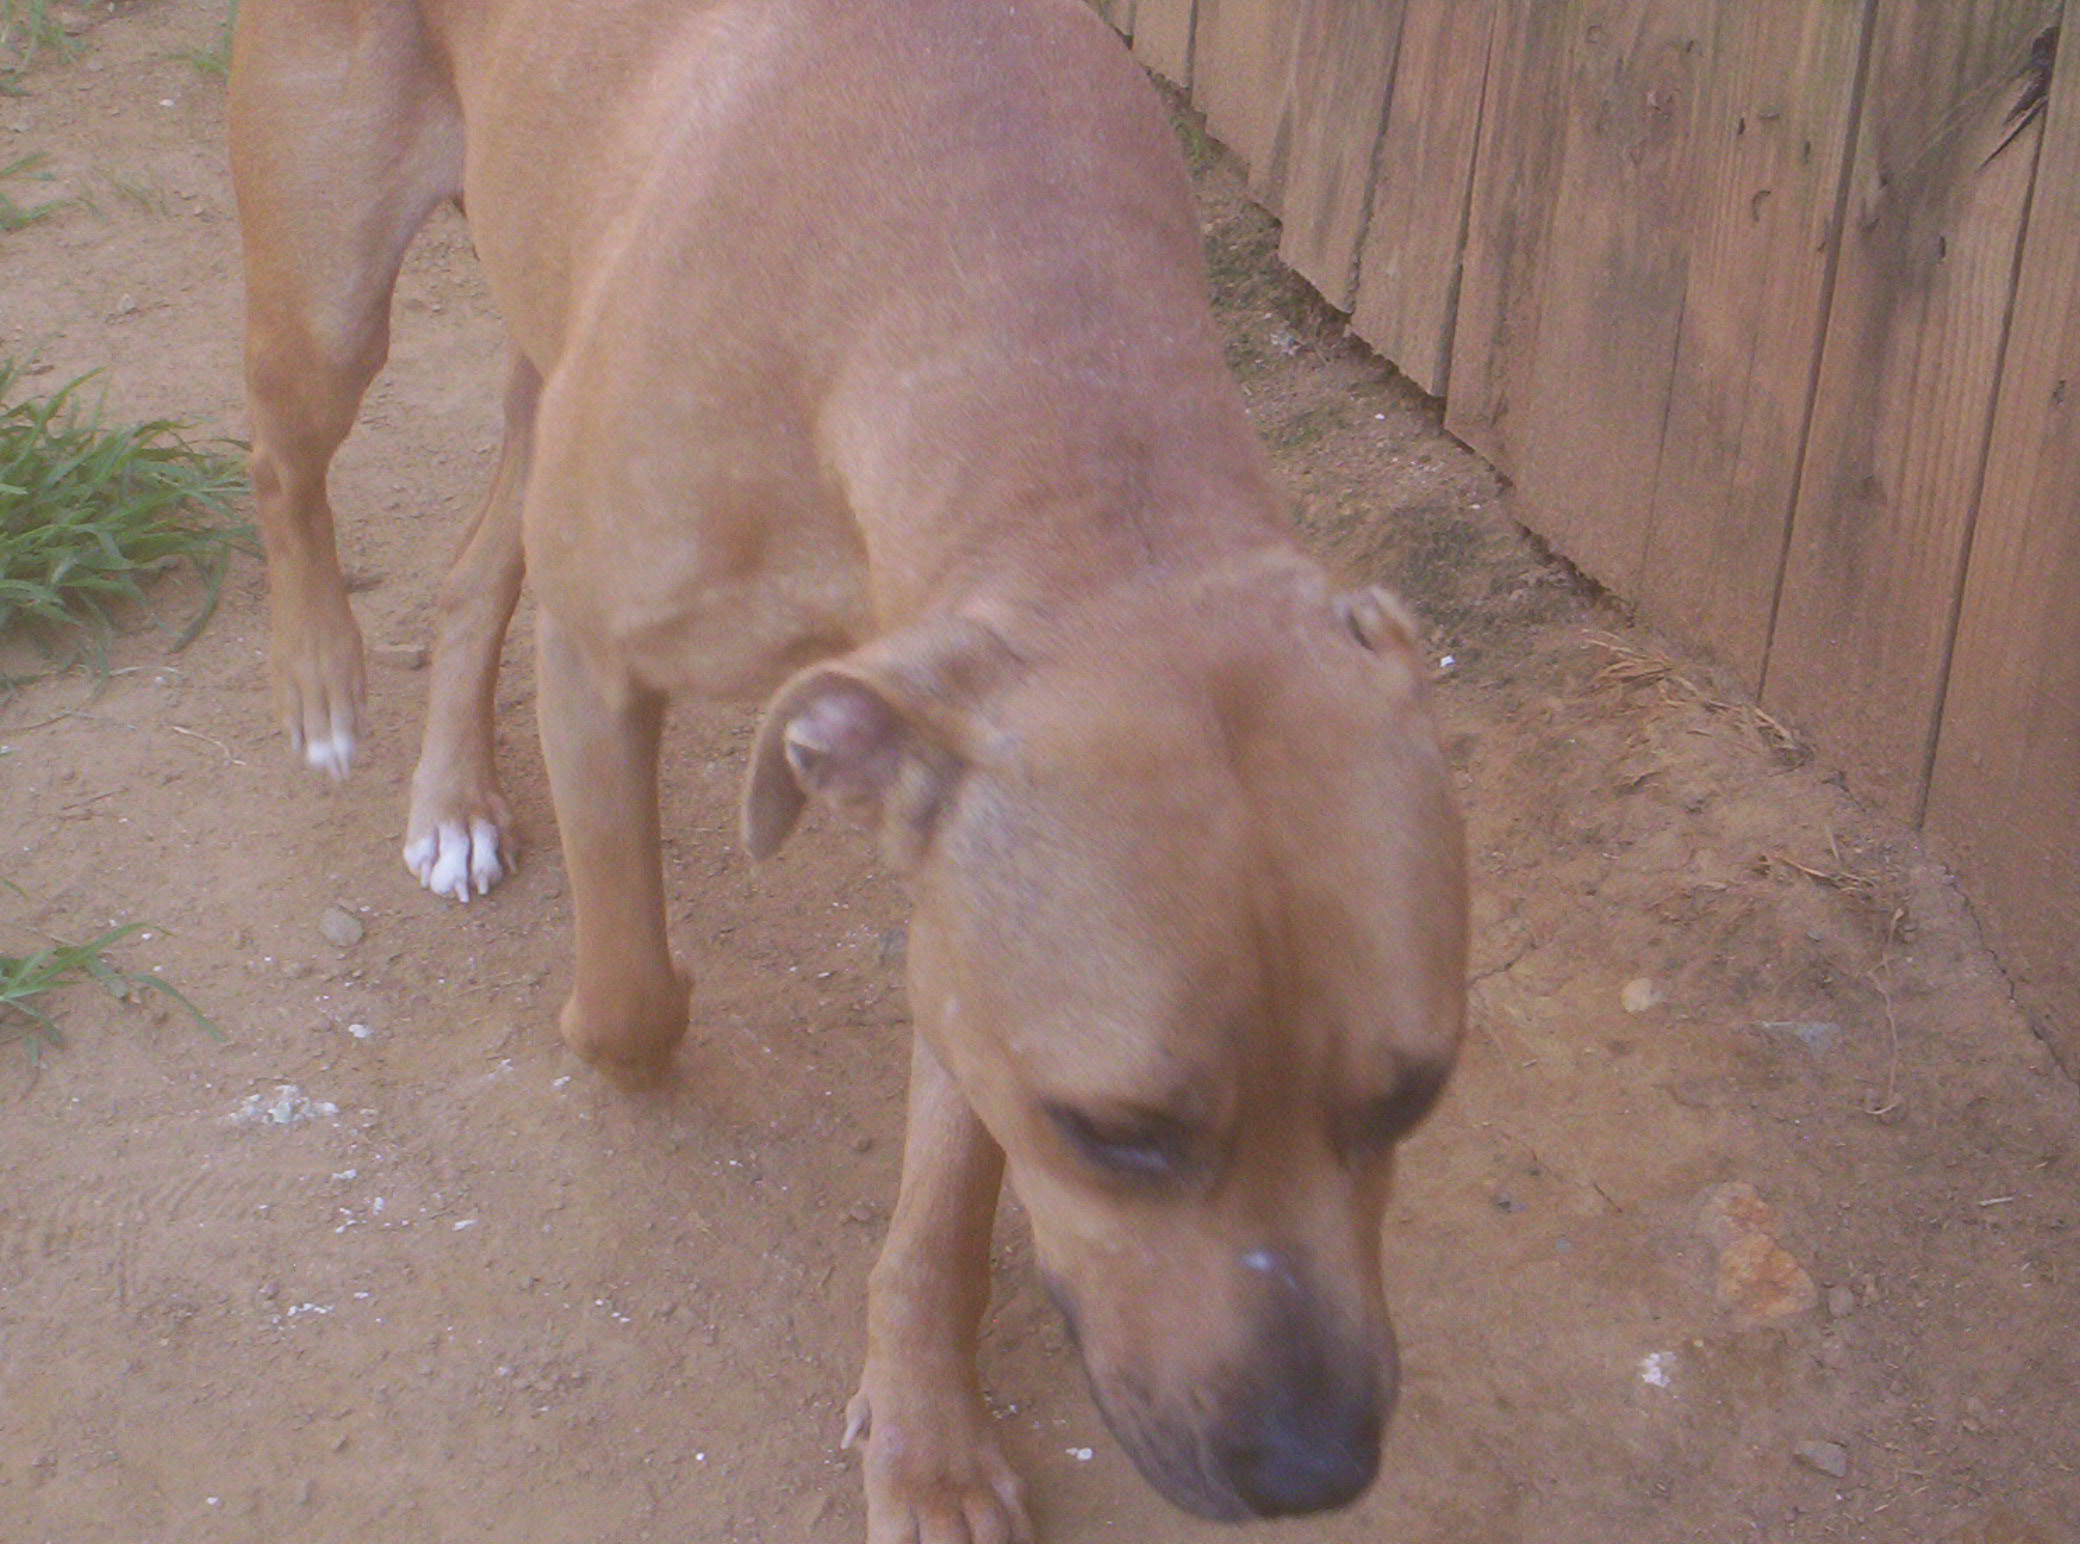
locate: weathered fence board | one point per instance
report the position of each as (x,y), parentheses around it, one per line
(1163,38)
(1408,266)
(1907,378)
(2006,792)
(1241,53)
(1772,142)
(1612,292)
(1772,312)
(1586,432)
(1516,176)
(1119,12)
(1336,105)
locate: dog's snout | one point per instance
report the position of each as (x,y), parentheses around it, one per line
(1311,1439)
(1307,1455)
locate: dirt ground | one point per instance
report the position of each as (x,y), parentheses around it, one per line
(463,1289)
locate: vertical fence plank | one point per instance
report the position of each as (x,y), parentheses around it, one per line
(2006,792)
(1241,52)
(1773,139)
(1907,379)
(1341,78)
(1585,434)
(1163,38)
(1612,292)
(1515,186)
(1119,12)
(1408,266)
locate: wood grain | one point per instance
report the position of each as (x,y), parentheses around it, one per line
(1120,13)
(1515,188)
(1241,61)
(2005,799)
(1415,239)
(1906,387)
(1611,290)
(1163,38)
(1772,130)
(1335,110)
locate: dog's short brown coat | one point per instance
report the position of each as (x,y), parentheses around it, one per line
(860,352)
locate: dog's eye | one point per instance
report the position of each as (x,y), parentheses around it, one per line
(1379,1124)
(1146,1148)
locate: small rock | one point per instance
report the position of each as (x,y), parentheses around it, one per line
(1640,994)
(305,1492)
(1829,1458)
(862,1144)
(1733,1211)
(1760,1281)
(863,1212)
(401,656)
(891,946)
(341,927)
(1841,1302)
(286,1106)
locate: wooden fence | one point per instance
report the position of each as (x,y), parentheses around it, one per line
(1769,309)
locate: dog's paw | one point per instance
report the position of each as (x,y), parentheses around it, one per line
(319,689)
(935,1473)
(460,858)
(627,1016)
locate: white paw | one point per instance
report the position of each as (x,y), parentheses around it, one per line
(332,753)
(457,861)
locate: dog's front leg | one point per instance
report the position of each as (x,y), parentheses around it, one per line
(934,1471)
(627,1007)
(459,838)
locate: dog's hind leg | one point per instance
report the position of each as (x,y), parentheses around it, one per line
(344,136)
(459,837)
(933,1467)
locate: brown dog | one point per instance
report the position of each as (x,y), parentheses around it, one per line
(861,345)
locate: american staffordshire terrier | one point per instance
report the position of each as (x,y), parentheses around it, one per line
(860,349)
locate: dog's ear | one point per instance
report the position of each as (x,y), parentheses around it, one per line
(882,735)
(1377,618)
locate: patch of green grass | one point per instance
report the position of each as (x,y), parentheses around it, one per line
(215,59)
(27,978)
(137,192)
(28,29)
(14,216)
(1200,153)
(89,509)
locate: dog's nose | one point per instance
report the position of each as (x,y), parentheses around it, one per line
(1307,1456)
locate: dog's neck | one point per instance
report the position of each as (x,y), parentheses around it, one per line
(975,490)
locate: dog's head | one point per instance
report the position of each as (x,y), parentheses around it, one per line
(1189,936)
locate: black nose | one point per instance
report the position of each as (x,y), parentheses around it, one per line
(1307,1456)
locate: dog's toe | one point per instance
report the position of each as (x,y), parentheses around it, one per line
(457,859)
(331,753)
(943,1482)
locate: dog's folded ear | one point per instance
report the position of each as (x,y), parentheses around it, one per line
(882,734)
(1377,618)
